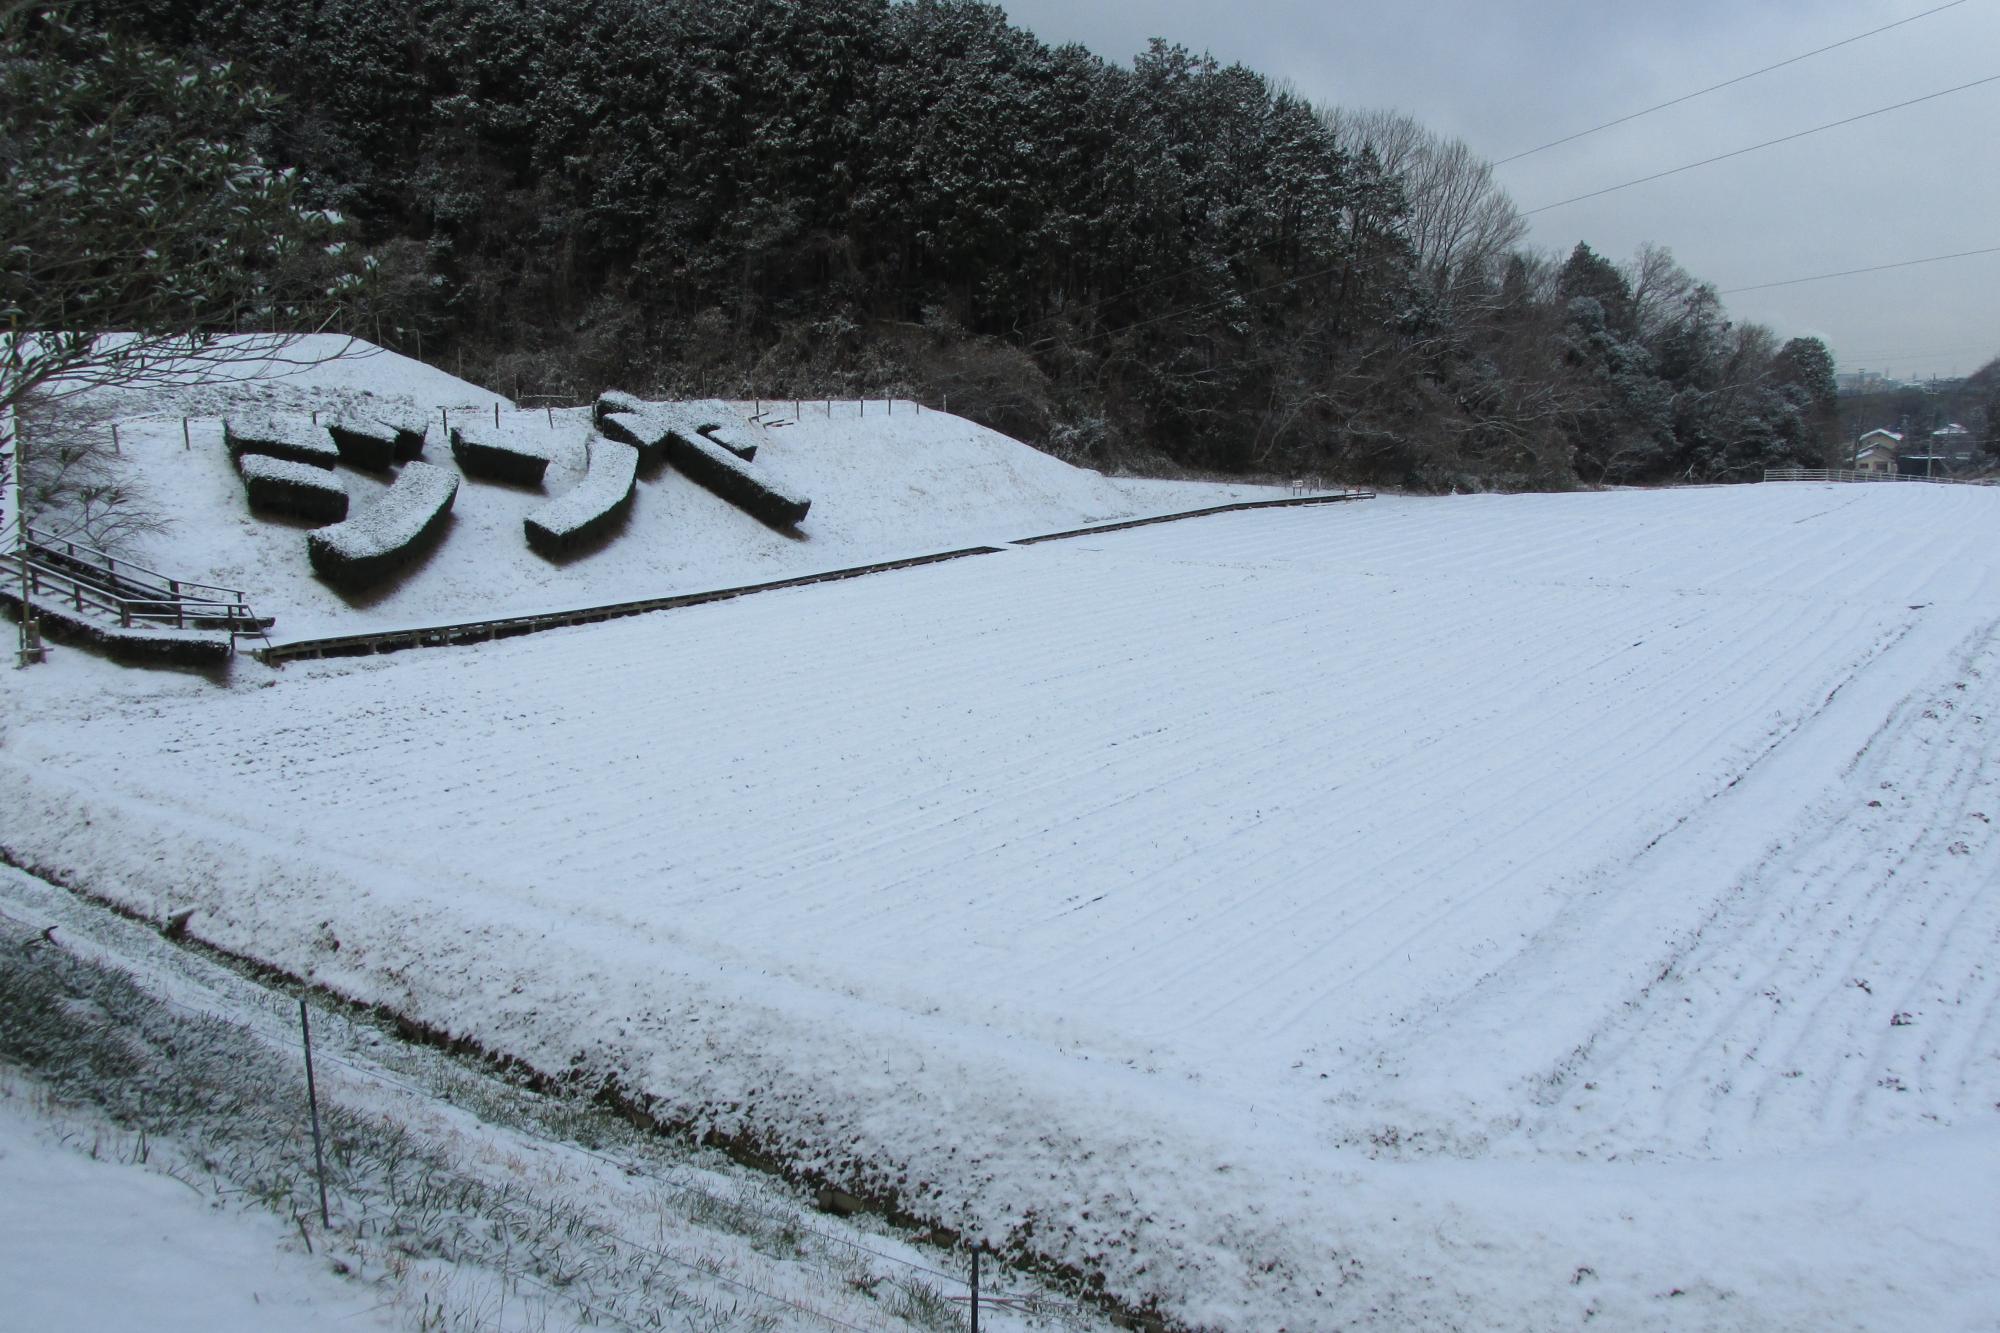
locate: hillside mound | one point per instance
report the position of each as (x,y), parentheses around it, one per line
(886,481)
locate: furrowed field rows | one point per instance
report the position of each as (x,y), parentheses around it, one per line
(1849,986)
(1161,808)
(1160,896)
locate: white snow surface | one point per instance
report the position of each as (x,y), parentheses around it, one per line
(1476,912)
(93,1244)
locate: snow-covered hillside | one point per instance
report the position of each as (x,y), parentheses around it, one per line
(885,480)
(1481,912)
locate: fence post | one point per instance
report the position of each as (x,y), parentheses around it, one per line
(496,416)
(975,1290)
(551,410)
(186,441)
(114,439)
(312,1099)
(444,418)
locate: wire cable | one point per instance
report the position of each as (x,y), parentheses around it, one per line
(1726,83)
(1768,143)
(1850,272)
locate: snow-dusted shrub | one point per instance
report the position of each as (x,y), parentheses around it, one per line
(710,465)
(293,438)
(389,534)
(591,507)
(498,453)
(734,439)
(645,431)
(280,487)
(614,400)
(410,424)
(364,442)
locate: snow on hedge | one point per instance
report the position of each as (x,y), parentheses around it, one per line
(734,439)
(589,508)
(390,533)
(500,453)
(711,465)
(365,443)
(279,486)
(294,438)
(645,431)
(616,400)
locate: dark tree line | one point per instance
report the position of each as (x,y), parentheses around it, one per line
(1174,259)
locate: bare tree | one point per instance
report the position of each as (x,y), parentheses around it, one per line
(1461,222)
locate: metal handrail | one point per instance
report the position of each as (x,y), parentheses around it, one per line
(175,610)
(121,567)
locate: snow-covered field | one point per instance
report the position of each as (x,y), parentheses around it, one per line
(1479,912)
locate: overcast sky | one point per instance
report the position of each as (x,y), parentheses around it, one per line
(1506,75)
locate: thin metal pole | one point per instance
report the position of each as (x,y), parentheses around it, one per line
(312,1098)
(975,1291)
(496,416)
(187,442)
(114,439)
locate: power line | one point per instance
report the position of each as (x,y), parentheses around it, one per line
(1768,143)
(1714,87)
(1850,272)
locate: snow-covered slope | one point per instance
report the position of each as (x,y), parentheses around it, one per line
(1496,912)
(885,481)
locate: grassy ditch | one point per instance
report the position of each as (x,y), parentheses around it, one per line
(458,1242)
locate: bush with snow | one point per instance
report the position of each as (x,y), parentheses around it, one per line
(363,442)
(709,464)
(643,430)
(591,507)
(277,486)
(389,534)
(499,453)
(295,439)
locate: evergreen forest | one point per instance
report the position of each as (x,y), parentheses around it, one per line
(1173,262)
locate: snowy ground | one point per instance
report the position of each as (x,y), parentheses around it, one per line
(885,481)
(169,1186)
(1484,912)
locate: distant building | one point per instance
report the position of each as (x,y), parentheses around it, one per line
(1877,451)
(1956,446)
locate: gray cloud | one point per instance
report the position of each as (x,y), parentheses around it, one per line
(1506,77)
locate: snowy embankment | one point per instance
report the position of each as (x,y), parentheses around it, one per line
(1496,912)
(884,485)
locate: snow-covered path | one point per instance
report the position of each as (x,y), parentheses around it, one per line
(1302,917)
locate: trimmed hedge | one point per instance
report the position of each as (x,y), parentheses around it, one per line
(733,439)
(613,400)
(709,464)
(294,439)
(591,507)
(279,487)
(364,443)
(644,431)
(388,535)
(411,425)
(498,454)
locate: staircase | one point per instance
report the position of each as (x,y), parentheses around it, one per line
(96,586)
